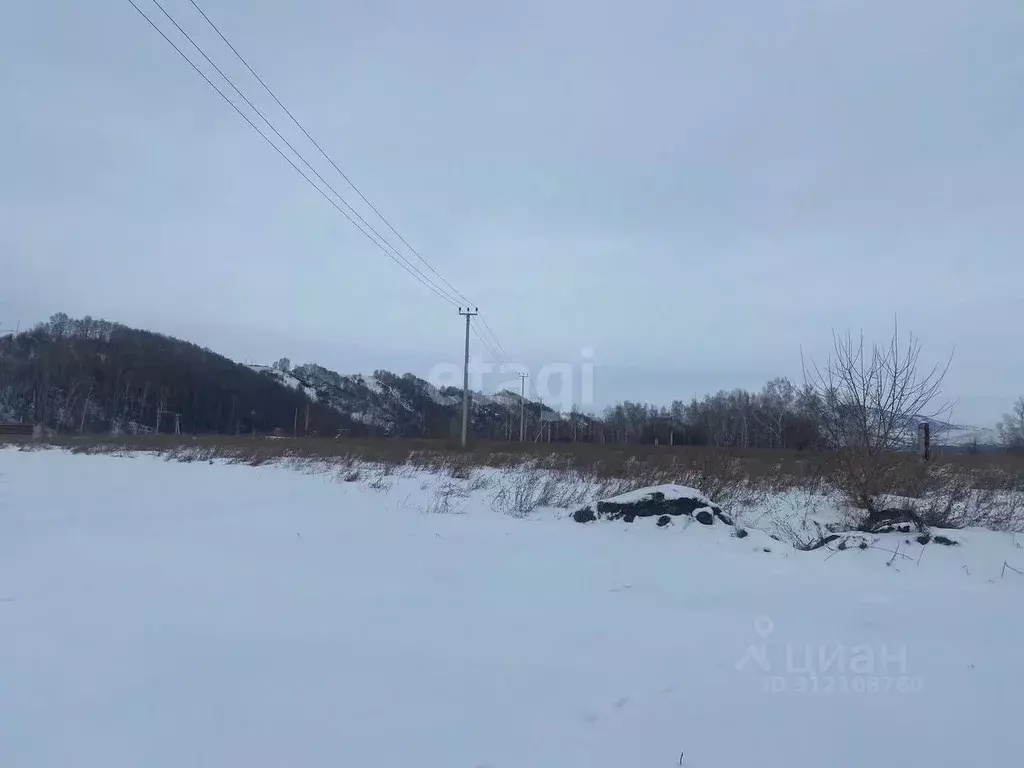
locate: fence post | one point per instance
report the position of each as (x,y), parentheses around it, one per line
(924,440)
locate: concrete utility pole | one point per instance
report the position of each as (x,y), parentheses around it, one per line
(522,408)
(468,313)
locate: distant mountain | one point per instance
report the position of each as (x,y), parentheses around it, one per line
(91,375)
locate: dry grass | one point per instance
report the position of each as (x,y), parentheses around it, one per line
(952,491)
(760,466)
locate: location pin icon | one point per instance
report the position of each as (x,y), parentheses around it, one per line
(763,626)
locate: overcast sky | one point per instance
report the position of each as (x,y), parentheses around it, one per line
(691,188)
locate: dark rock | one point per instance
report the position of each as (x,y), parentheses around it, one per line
(664,520)
(705,516)
(766,549)
(585,515)
(663,501)
(741,533)
(654,504)
(924,538)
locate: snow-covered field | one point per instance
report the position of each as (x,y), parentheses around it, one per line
(161,614)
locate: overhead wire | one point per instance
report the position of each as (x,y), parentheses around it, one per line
(298,154)
(411,269)
(213,25)
(494,338)
(492,346)
(486,344)
(452,295)
(462,297)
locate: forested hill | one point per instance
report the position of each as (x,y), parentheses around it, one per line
(94,375)
(97,376)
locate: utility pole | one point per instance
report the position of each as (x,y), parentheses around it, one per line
(468,313)
(522,407)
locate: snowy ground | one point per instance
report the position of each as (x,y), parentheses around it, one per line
(165,615)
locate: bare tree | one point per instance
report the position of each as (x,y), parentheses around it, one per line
(775,406)
(1011,428)
(868,404)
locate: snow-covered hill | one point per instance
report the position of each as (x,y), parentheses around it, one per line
(262,617)
(389,404)
(287,379)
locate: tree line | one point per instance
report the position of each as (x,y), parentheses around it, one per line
(780,415)
(88,375)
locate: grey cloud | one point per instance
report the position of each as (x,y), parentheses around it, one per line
(694,189)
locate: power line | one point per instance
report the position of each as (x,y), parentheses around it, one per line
(454,291)
(396,257)
(487,344)
(494,337)
(298,154)
(491,343)
(327,157)
(504,362)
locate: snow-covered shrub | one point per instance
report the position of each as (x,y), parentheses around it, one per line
(520,490)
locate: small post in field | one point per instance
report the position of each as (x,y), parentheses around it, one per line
(522,406)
